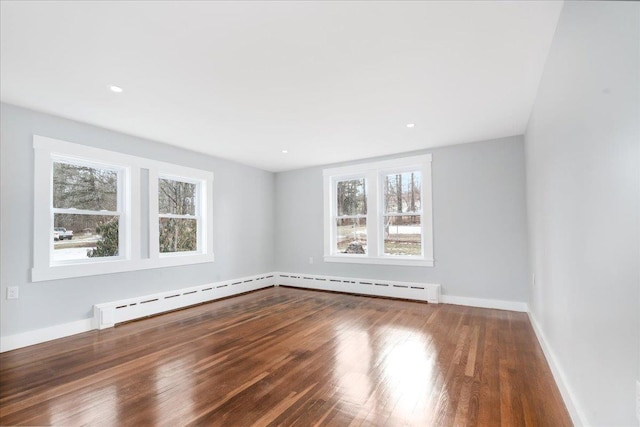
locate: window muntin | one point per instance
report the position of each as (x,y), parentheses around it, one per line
(179,215)
(397,222)
(86,202)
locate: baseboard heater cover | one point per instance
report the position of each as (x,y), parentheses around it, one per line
(384,288)
(106,315)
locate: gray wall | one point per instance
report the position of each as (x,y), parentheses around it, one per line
(243,225)
(480,237)
(582,151)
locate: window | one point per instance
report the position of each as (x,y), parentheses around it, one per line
(177,207)
(351,216)
(87,211)
(403,213)
(380,212)
(94,223)
(180,209)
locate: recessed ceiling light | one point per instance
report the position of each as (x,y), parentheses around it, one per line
(116,89)
(410,125)
(285,151)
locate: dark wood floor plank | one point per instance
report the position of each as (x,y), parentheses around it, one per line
(285,356)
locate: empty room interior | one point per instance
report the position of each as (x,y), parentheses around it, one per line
(349,213)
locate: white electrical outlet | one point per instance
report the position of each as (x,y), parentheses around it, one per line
(12,292)
(310,260)
(638,400)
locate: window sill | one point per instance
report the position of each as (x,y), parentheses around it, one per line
(113,266)
(358,259)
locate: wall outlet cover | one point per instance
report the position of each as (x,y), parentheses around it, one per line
(13,292)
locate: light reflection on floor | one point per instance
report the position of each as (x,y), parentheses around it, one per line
(353,361)
(174,381)
(88,408)
(405,361)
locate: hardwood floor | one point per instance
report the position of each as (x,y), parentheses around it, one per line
(285,356)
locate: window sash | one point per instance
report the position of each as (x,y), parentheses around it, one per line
(422,237)
(196,217)
(84,261)
(179,216)
(74,211)
(121,202)
(382,175)
(404,214)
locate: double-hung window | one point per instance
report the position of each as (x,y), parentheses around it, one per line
(88,212)
(180,214)
(87,198)
(380,213)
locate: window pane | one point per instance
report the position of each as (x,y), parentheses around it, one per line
(352,235)
(84,187)
(178,235)
(402,235)
(402,192)
(351,197)
(84,236)
(176,197)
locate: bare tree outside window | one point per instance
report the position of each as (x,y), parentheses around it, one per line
(402,214)
(177,205)
(351,219)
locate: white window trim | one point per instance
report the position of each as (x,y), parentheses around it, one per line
(373,173)
(47,149)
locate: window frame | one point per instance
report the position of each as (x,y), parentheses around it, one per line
(48,150)
(374,173)
(204,183)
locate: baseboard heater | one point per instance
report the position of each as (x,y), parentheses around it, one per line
(108,314)
(383,288)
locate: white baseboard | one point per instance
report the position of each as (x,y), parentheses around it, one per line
(575,411)
(12,342)
(485,303)
(188,296)
(107,314)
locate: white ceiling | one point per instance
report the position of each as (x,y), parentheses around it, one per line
(327,81)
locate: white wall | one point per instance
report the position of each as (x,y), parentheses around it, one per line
(479,216)
(243,225)
(583,190)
